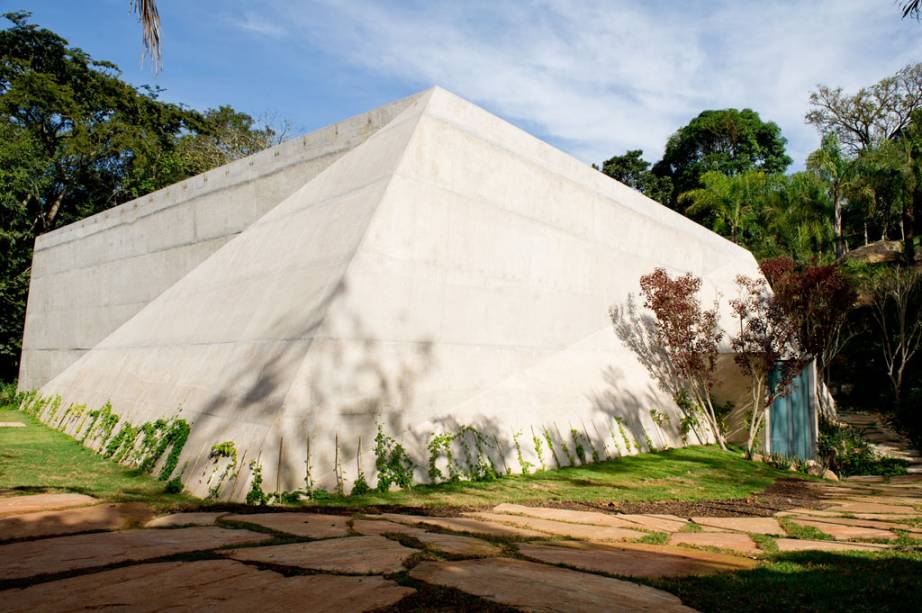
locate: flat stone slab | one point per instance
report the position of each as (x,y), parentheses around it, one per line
(886,516)
(559,528)
(380,527)
(848,506)
(908,501)
(863,523)
(722,540)
(591,518)
(756,525)
(12,424)
(808,545)
(310,525)
(359,555)
(455,545)
(636,560)
(537,587)
(660,523)
(211,585)
(845,533)
(813,512)
(466,524)
(70,521)
(184,519)
(66,553)
(43,502)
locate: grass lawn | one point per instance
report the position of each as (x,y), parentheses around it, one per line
(692,473)
(37,458)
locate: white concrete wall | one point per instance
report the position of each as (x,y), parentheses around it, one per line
(451,270)
(90,277)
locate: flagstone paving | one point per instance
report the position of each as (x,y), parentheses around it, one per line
(43,502)
(530,558)
(849,506)
(360,555)
(591,518)
(538,587)
(456,545)
(211,585)
(755,525)
(659,523)
(846,533)
(311,525)
(559,528)
(808,545)
(184,519)
(380,527)
(67,553)
(70,521)
(721,540)
(634,559)
(864,523)
(465,524)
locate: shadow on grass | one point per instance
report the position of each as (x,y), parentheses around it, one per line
(810,581)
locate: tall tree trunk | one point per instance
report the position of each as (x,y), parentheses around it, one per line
(840,249)
(909,223)
(53,211)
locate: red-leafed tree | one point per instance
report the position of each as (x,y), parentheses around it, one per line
(689,336)
(817,301)
(767,338)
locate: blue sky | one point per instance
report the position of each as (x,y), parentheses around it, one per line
(593,78)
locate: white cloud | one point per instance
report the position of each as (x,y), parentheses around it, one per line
(598,78)
(255,24)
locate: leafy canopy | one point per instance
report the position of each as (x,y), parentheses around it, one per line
(75,139)
(728,141)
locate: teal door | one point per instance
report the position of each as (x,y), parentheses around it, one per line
(792,417)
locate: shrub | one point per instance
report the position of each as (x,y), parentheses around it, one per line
(843,450)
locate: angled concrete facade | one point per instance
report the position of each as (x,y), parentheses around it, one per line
(436,269)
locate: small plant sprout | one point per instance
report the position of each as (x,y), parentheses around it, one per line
(360,486)
(338,469)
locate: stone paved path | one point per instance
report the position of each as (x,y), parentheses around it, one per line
(529,558)
(885,440)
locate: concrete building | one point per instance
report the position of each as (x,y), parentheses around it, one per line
(426,267)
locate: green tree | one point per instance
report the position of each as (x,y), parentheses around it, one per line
(228,135)
(871,115)
(632,170)
(727,141)
(837,171)
(795,220)
(75,140)
(726,204)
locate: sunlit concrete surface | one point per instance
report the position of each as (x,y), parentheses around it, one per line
(438,268)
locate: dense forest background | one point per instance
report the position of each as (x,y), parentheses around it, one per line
(75,139)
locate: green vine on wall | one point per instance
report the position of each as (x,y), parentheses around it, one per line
(536,441)
(219,451)
(392,462)
(256,495)
(524,464)
(439,445)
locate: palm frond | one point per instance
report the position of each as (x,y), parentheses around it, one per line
(147,13)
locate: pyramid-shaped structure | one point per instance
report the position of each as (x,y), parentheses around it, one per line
(449,270)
